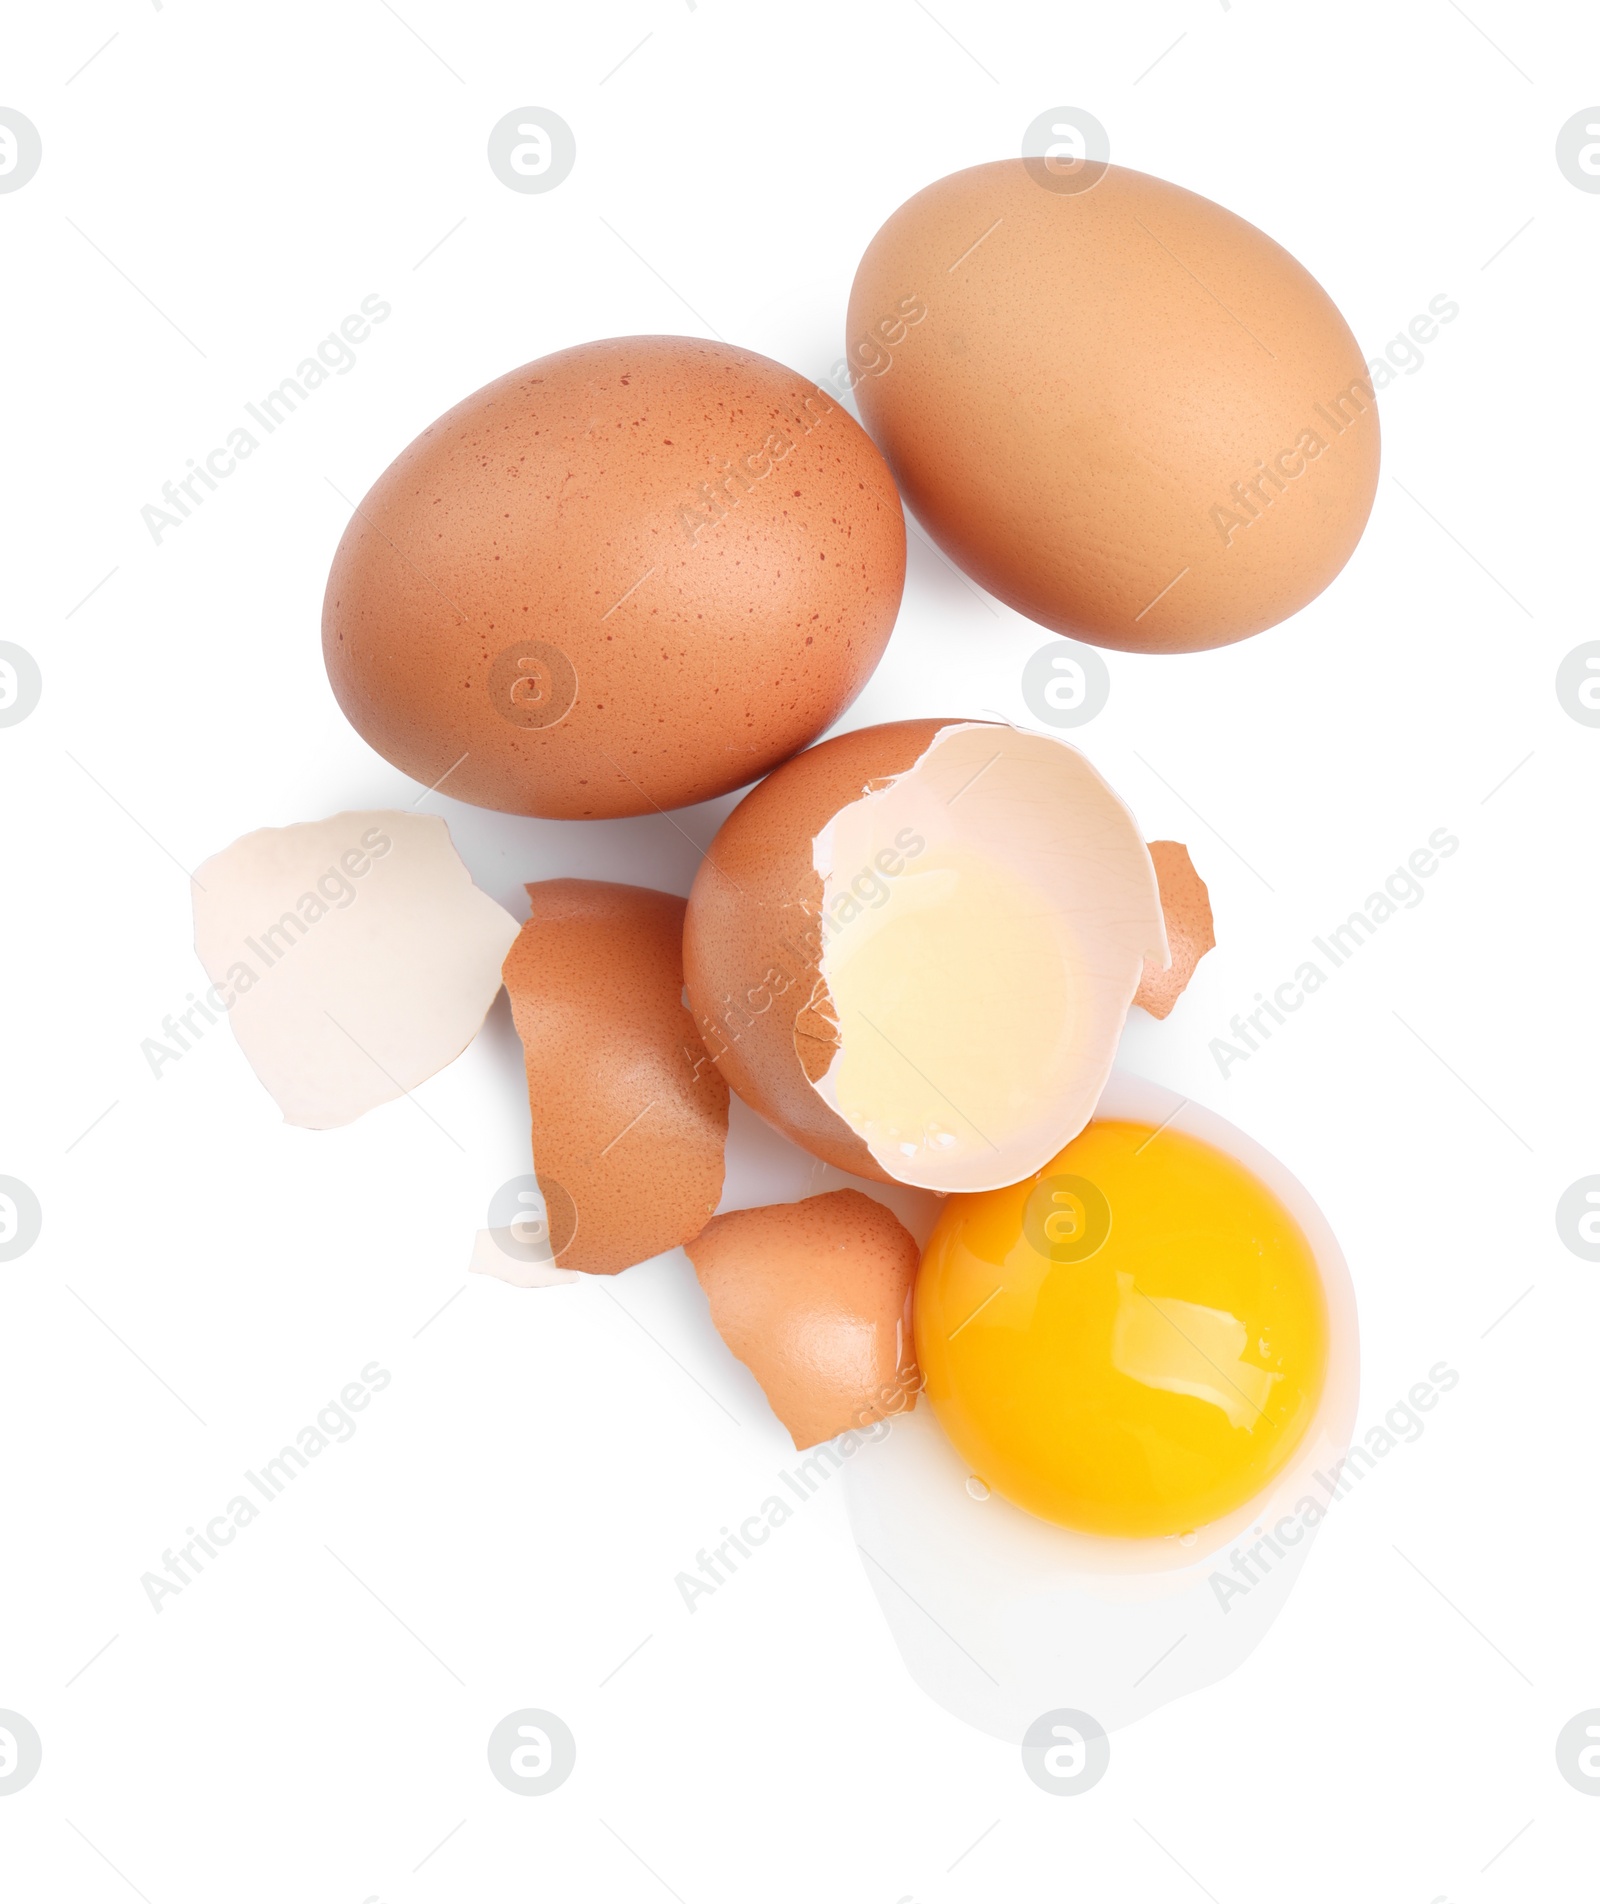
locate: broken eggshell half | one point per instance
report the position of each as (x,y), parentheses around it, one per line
(912,949)
(629,1115)
(354,957)
(814,1298)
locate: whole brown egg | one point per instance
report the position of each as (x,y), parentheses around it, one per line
(1125,411)
(630,576)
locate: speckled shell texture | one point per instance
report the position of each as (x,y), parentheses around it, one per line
(814,1298)
(1107,404)
(630,1118)
(752,947)
(632,575)
(1191,934)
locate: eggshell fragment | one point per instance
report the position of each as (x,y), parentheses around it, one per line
(1124,410)
(630,1117)
(502,1254)
(354,957)
(812,1297)
(629,576)
(913,947)
(1186,908)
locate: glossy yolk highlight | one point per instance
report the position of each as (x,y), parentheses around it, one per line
(1133,1342)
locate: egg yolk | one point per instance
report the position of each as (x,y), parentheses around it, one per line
(1132,1342)
(953,929)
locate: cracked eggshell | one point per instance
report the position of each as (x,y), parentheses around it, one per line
(814,1298)
(632,575)
(629,1115)
(505,1254)
(354,957)
(1124,410)
(1191,934)
(912,949)
(751,945)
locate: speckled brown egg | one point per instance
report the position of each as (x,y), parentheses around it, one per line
(1124,410)
(633,575)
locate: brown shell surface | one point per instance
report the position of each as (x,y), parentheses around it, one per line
(752,946)
(1093,400)
(630,1118)
(813,1298)
(1186,908)
(632,575)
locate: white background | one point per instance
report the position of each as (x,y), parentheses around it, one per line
(220,186)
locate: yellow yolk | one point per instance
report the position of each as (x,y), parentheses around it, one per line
(1133,1342)
(921,1066)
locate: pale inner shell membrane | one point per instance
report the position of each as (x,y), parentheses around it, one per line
(985,921)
